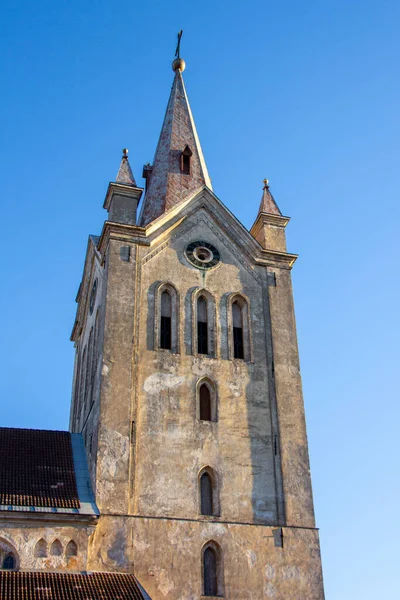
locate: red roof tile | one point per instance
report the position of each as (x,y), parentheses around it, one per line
(37,468)
(21,585)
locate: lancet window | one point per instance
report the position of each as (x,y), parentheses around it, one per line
(212,570)
(166,325)
(204,330)
(239,328)
(202,326)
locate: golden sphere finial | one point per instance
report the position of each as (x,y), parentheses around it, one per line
(178,65)
(266,182)
(125,153)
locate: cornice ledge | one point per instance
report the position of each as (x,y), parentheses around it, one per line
(123,190)
(130,233)
(269,219)
(274,258)
(57,518)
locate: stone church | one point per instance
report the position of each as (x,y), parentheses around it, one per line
(185,471)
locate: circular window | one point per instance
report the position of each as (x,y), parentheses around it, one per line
(202,255)
(92,300)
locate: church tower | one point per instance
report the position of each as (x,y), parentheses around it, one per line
(187,387)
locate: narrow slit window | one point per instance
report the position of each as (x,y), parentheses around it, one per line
(185,161)
(202,326)
(205,403)
(206,494)
(210,572)
(9,562)
(166,324)
(237,319)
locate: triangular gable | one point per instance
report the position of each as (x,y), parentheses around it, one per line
(221,215)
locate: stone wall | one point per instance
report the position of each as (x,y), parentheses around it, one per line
(56,553)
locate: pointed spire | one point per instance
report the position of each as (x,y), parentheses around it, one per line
(125,174)
(268,204)
(179,168)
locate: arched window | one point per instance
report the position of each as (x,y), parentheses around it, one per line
(212,570)
(166,321)
(206,494)
(206,399)
(41,549)
(205,403)
(204,330)
(9,562)
(202,326)
(166,318)
(185,160)
(56,548)
(237,322)
(72,549)
(239,327)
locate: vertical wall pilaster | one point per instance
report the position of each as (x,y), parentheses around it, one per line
(289,398)
(112,491)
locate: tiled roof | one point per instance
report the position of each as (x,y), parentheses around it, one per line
(21,585)
(37,468)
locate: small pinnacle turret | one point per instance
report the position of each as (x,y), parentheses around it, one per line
(125,174)
(123,195)
(269,227)
(268,204)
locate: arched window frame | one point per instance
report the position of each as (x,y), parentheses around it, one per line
(244,304)
(56,548)
(40,550)
(71,549)
(7,549)
(175,308)
(215,491)
(220,570)
(211,323)
(213,397)
(185,159)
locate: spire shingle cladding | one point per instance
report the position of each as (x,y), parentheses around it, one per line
(20,585)
(167,183)
(268,204)
(37,469)
(125,174)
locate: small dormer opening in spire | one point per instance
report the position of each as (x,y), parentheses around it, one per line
(185,160)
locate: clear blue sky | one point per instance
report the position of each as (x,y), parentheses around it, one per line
(305,93)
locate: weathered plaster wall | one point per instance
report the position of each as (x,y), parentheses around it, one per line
(24,537)
(166,557)
(172,445)
(152,445)
(113,476)
(293,438)
(87,372)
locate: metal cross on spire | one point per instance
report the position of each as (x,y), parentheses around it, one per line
(178,46)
